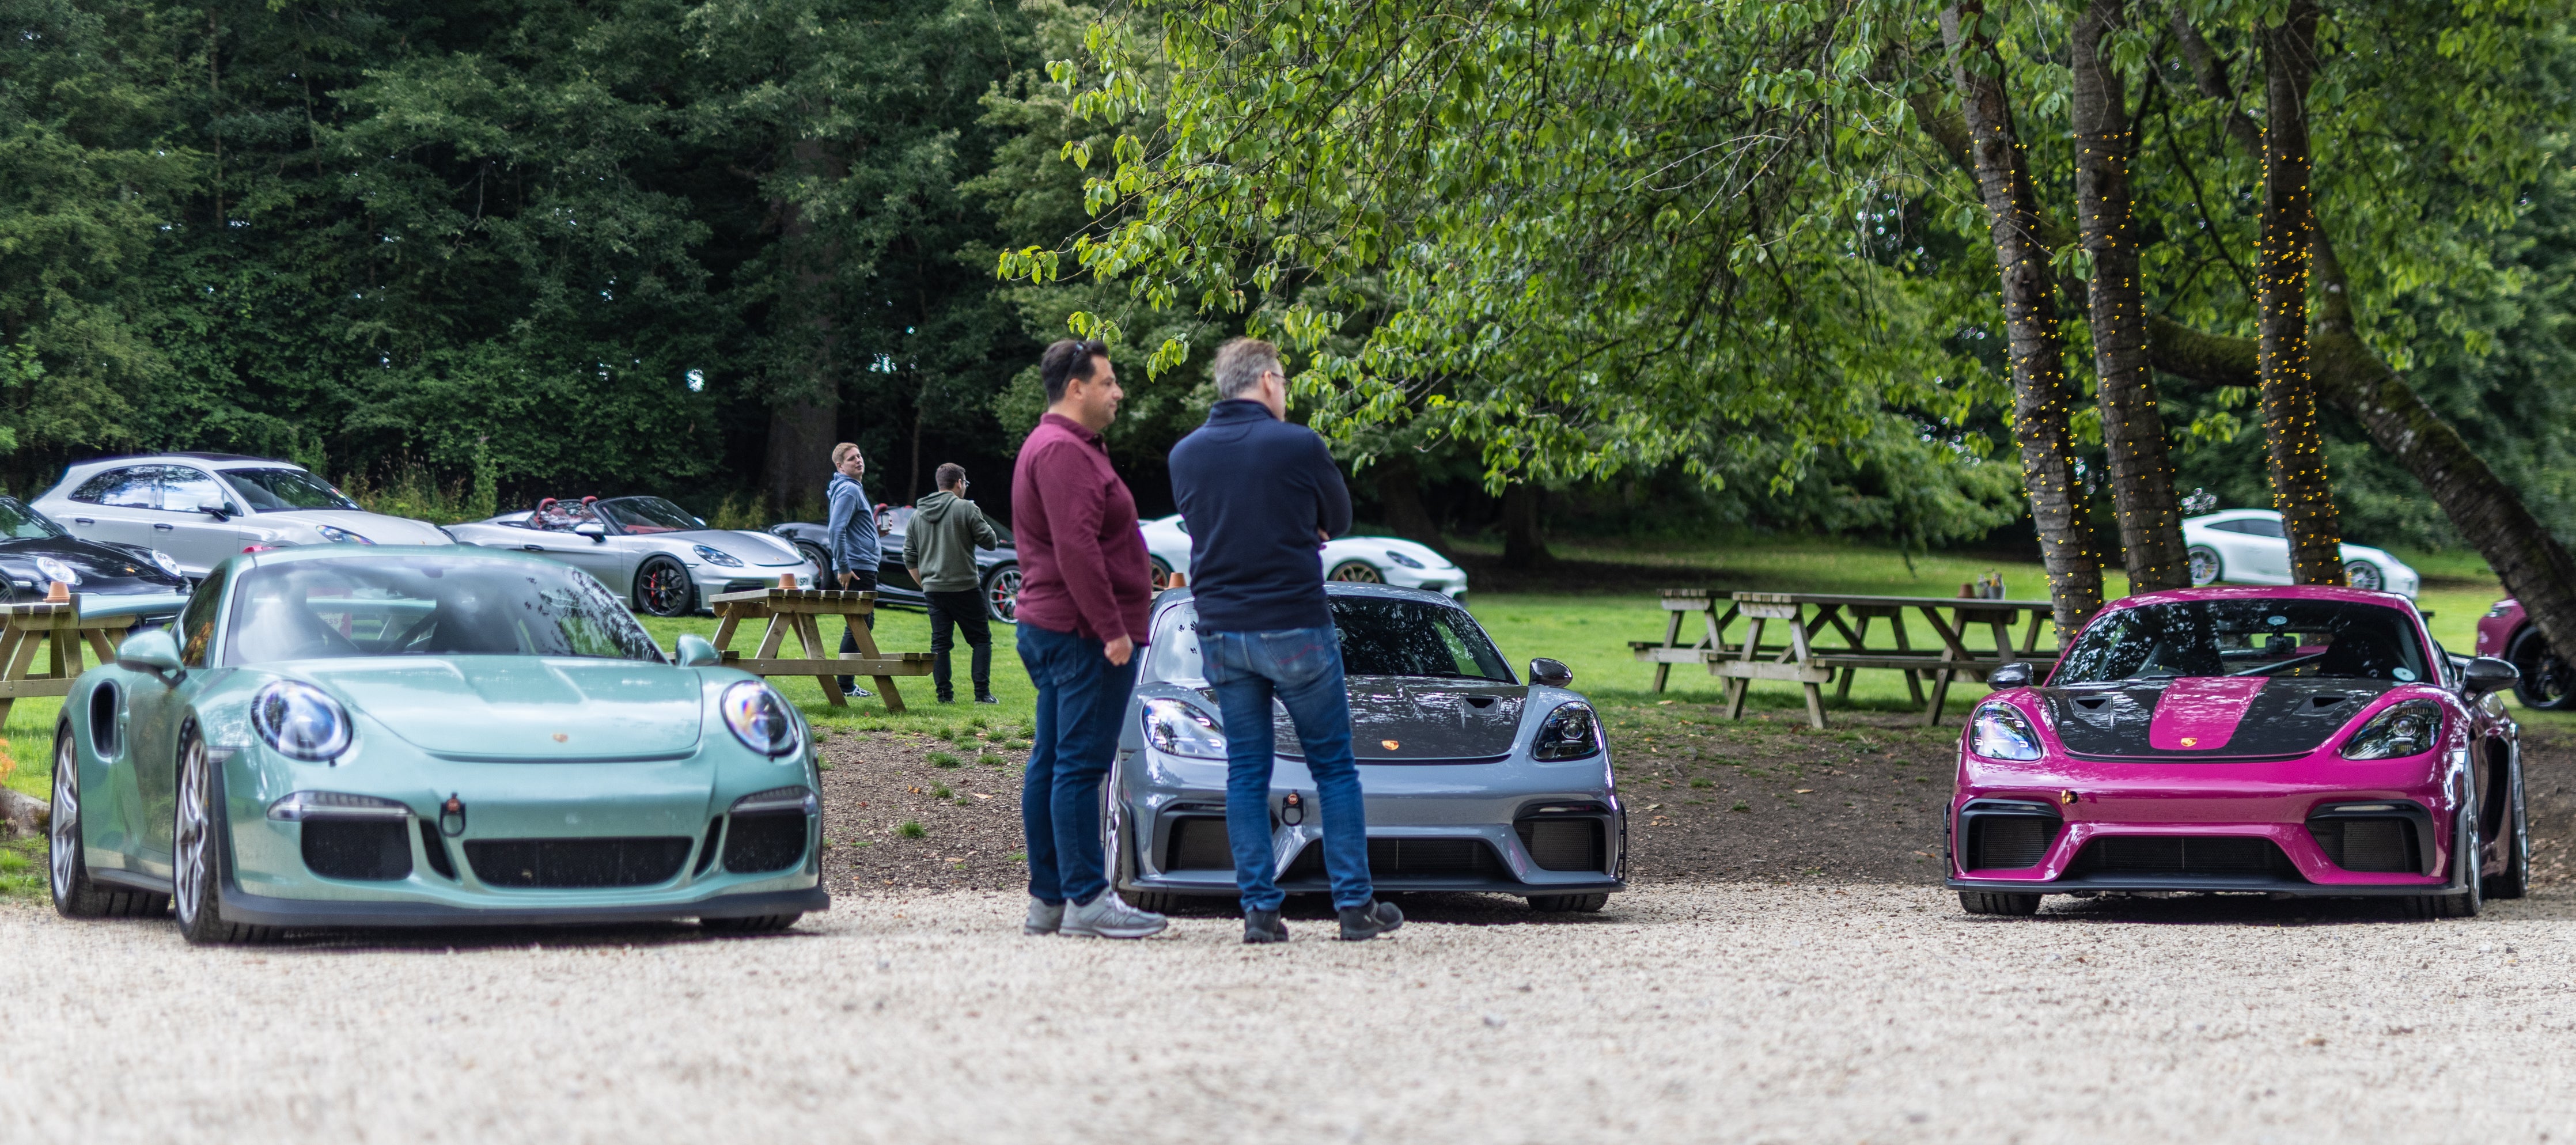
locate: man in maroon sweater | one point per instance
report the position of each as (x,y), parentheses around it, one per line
(1084,588)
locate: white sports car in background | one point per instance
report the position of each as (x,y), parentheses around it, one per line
(201,508)
(2247,546)
(1360,560)
(666,561)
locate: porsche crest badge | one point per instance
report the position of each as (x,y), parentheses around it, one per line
(1389,744)
(2191,741)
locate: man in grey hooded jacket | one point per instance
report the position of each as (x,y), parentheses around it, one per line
(939,551)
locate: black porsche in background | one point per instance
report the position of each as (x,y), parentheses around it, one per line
(998,570)
(35,552)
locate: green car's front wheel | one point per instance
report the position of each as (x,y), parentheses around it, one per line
(75,896)
(197,851)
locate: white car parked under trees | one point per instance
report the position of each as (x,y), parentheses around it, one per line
(1361,560)
(2247,546)
(203,507)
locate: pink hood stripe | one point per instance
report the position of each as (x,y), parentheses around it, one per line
(2200,713)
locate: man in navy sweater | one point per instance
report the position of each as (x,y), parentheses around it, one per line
(1260,496)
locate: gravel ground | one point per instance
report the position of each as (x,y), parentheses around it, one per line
(1715,1012)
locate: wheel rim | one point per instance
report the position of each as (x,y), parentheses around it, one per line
(2204,568)
(662,588)
(188,853)
(65,834)
(1004,596)
(1357,572)
(1160,575)
(2362,576)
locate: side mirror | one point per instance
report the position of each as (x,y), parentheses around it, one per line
(2013,675)
(2488,674)
(598,533)
(218,511)
(1550,673)
(153,652)
(695,652)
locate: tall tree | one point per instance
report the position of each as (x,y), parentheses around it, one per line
(2300,488)
(2133,431)
(2042,399)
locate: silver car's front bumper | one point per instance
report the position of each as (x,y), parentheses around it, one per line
(1514,827)
(713,578)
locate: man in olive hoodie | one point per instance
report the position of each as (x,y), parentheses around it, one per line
(939,551)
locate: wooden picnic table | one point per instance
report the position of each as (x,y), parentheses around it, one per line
(793,611)
(64,630)
(1800,660)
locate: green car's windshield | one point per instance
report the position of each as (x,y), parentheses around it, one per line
(284,490)
(2281,637)
(20,523)
(427,606)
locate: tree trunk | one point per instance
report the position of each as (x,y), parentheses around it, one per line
(2133,433)
(2300,488)
(2041,396)
(1399,496)
(1523,546)
(805,391)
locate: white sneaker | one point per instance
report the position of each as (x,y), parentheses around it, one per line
(1109,916)
(1044,916)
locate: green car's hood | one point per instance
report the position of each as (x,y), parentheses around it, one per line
(521,707)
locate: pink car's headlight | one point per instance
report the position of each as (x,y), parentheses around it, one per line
(2000,732)
(2398,731)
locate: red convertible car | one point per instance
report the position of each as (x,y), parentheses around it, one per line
(2287,741)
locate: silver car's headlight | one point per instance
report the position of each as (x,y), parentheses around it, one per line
(168,564)
(339,536)
(759,718)
(300,721)
(1176,728)
(2000,732)
(57,570)
(1570,732)
(2398,731)
(715,556)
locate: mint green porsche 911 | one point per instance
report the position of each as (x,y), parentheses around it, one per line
(357,737)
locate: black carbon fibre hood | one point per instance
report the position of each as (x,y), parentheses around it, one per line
(2203,720)
(1408,720)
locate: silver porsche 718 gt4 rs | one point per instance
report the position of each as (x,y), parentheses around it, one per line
(1474,781)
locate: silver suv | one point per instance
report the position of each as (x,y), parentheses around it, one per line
(203,507)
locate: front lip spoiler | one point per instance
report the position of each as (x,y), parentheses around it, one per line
(2207,883)
(1390,886)
(268,910)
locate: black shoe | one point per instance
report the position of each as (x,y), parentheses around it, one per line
(1263,926)
(988,698)
(1360,923)
(947,699)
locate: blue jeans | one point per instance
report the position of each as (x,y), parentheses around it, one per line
(1302,668)
(1081,697)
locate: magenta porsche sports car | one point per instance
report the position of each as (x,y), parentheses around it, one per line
(2289,741)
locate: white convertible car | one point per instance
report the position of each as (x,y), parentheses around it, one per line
(2247,546)
(664,560)
(1359,560)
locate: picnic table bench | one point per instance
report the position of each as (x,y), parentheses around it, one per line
(792,611)
(62,630)
(1797,658)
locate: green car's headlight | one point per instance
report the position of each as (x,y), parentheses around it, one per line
(759,718)
(300,721)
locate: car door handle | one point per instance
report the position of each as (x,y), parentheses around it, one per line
(84,520)
(163,527)
(533,548)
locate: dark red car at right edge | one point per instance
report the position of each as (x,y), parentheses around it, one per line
(2506,633)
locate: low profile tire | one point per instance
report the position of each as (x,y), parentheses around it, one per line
(755,924)
(1356,572)
(1567,904)
(2548,683)
(1002,592)
(2515,879)
(74,895)
(2204,565)
(1159,902)
(197,853)
(815,553)
(1159,573)
(1998,902)
(2364,575)
(663,588)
